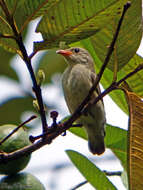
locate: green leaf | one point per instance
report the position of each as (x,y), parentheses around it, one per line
(135,82)
(91,172)
(11,110)
(8,43)
(115,139)
(80,132)
(5,29)
(51,63)
(128,40)
(73,20)
(33,9)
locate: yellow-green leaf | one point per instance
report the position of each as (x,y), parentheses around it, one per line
(33,9)
(128,40)
(73,20)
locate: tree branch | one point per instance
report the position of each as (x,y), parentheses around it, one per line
(61,127)
(27,60)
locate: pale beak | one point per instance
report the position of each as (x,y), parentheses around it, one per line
(64,52)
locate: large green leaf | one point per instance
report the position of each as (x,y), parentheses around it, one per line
(10,111)
(23,11)
(128,40)
(115,139)
(136,81)
(33,9)
(73,20)
(92,173)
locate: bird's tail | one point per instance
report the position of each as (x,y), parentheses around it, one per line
(96,144)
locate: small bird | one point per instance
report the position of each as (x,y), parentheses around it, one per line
(77,80)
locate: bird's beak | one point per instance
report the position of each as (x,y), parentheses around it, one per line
(64,52)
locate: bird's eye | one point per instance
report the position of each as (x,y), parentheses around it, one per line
(76,50)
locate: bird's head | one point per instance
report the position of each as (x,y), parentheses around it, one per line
(76,55)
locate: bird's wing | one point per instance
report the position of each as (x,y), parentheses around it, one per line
(93,78)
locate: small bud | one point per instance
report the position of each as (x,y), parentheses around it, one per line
(36,105)
(31,138)
(54,114)
(40,77)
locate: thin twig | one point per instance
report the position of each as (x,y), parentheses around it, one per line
(113,173)
(16,129)
(79,185)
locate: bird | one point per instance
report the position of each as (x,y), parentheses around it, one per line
(77,80)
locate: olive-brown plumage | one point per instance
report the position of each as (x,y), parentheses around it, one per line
(77,80)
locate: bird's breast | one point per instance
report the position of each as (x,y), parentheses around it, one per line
(75,86)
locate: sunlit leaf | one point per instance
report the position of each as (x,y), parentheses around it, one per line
(73,20)
(135,142)
(128,40)
(91,172)
(33,9)
(135,82)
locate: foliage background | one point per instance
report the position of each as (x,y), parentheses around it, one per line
(16,93)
